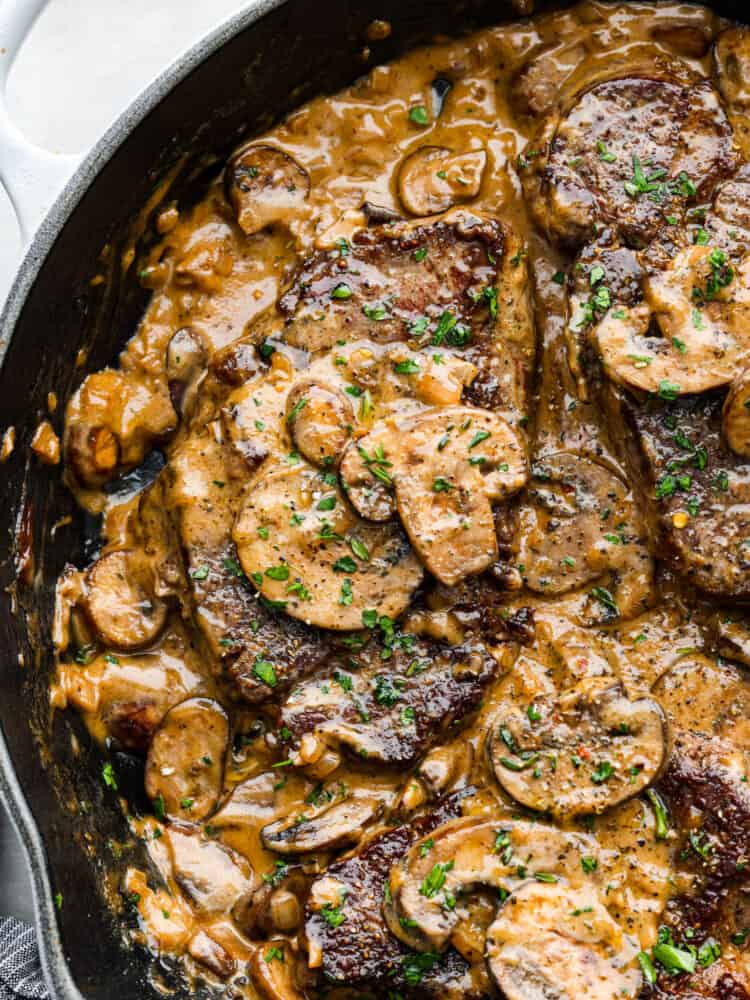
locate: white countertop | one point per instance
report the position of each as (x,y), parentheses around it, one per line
(83,63)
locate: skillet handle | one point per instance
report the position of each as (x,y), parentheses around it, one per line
(32,176)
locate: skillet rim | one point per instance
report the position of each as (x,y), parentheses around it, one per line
(58,976)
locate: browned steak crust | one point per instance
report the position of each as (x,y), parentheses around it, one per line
(628,152)
(460,281)
(391,710)
(361,951)
(681,464)
(710,807)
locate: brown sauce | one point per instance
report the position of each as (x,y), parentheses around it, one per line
(616,624)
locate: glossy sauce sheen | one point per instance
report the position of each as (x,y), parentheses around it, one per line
(208,274)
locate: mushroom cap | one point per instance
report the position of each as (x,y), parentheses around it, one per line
(339,825)
(732,61)
(581,751)
(735,417)
(367,475)
(264,186)
(580,522)
(468,853)
(447,466)
(701,303)
(559,941)
(433,179)
(185,763)
(320,419)
(302,545)
(213,876)
(120,600)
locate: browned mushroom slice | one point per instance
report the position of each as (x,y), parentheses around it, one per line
(132,723)
(450,465)
(558,941)
(305,549)
(340,825)
(447,466)
(433,179)
(735,417)
(468,853)
(212,955)
(581,522)
(120,600)
(707,696)
(112,421)
(213,877)
(277,906)
(272,968)
(701,303)
(185,764)
(92,453)
(367,475)
(579,752)
(265,186)
(732,57)
(320,419)
(185,368)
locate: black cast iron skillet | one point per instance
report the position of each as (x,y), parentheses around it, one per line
(273,56)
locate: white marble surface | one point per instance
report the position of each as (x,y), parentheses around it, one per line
(83,63)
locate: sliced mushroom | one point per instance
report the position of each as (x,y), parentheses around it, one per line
(367,475)
(447,466)
(735,417)
(185,765)
(210,953)
(254,415)
(320,419)
(467,853)
(558,941)
(581,522)
(433,179)
(304,548)
(340,825)
(120,600)
(185,368)
(112,422)
(265,186)
(277,906)
(578,752)
(273,967)
(733,638)
(93,453)
(732,57)
(708,696)
(132,723)
(211,875)
(701,303)
(451,465)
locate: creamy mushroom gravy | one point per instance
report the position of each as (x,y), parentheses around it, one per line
(428,632)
